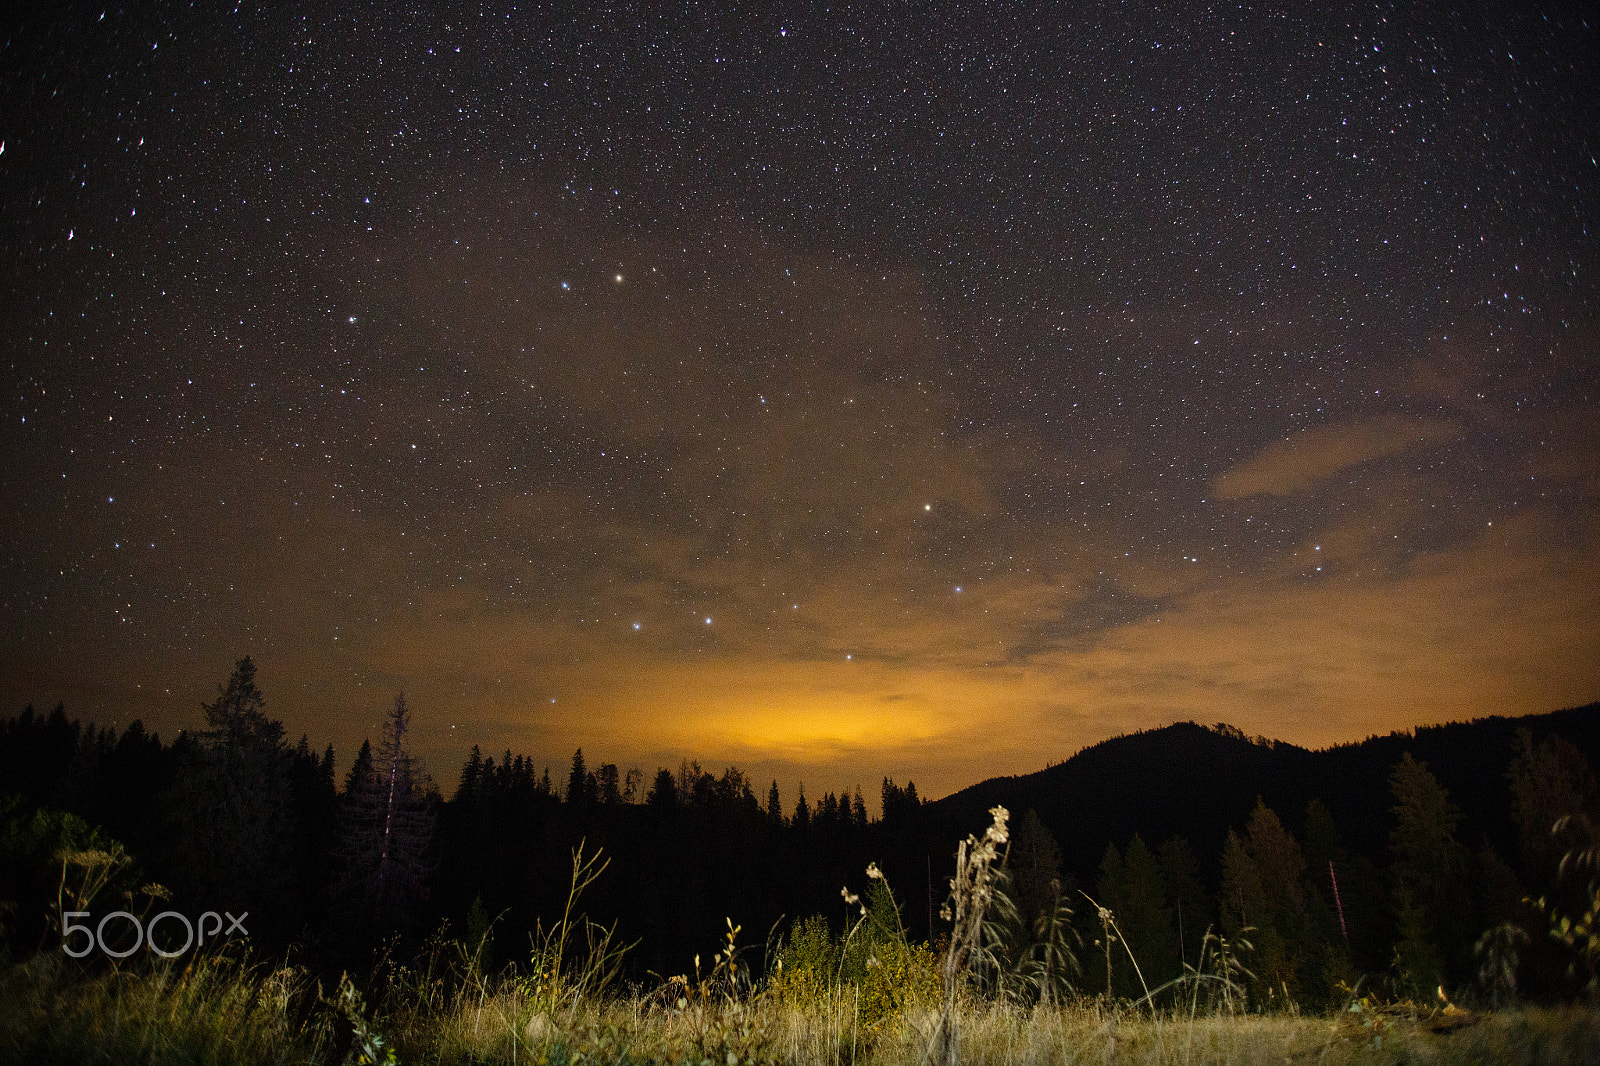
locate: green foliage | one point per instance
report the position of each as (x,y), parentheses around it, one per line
(1497,952)
(890,974)
(368,1046)
(873,966)
(55,862)
(1027,960)
(1579,932)
(480,933)
(1548,783)
(1429,872)
(808,963)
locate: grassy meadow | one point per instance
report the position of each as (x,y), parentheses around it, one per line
(866,996)
(224,1010)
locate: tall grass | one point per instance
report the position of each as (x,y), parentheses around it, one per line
(212,1009)
(864,998)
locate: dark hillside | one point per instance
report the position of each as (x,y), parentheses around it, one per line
(1195,782)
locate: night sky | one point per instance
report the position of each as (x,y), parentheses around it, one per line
(835,393)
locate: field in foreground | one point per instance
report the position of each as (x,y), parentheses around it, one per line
(222,1011)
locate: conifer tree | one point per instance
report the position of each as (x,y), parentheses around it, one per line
(1144,917)
(608,784)
(386,832)
(1186,895)
(577,781)
(470,774)
(1035,864)
(774,804)
(236,802)
(1280,921)
(664,792)
(1428,871)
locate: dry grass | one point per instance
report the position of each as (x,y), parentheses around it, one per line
(222,1011)
(212,1010)
(901,1007)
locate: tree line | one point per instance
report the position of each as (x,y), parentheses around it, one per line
(379,860)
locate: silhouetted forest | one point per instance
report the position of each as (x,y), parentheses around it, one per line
(1415,858)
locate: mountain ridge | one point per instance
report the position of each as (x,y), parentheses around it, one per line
(1197,782)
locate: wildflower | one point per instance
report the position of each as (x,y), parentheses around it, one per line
(849,896)
(873,872)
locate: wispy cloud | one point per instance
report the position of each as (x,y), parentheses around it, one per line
(1295,465)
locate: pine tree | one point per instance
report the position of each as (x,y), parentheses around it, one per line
(1104,937)
(1279,862)
(1429,866)
(236,800)
(1241,899)
(774,804)
(1186,894)
(1035,863)
(664,792)
(470,774)
(608,784)
(577,781)
(386,833)
(1281,932)
(360,772)
(1144,917)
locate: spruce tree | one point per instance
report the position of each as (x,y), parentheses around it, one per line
(577,781)
(1428,870)
(235,799)
(386,833)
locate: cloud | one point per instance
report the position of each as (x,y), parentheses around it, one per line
(1294,465)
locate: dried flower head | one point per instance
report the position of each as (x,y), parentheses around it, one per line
(997,833)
